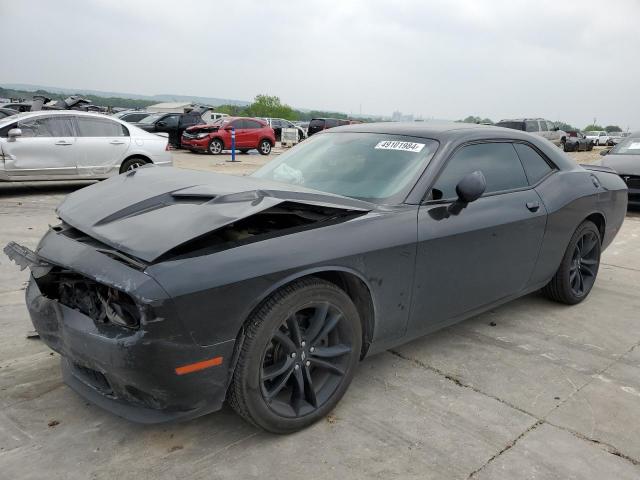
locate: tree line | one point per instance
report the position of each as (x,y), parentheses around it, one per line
(561,125)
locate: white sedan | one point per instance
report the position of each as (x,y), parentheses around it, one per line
(599,137)
(73,145)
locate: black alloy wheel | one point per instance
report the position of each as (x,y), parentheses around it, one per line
(584,263)
(306,360)
(298,356)
(578,270)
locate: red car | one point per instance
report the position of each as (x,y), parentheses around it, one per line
(216,137)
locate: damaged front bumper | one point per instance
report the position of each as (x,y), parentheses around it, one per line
(132,372)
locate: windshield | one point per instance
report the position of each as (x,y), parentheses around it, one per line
(628,146)
(369,166)
(151,118)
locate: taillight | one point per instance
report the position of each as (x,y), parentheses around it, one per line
(168,147)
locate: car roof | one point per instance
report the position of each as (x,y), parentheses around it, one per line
(433,130)
(523,119)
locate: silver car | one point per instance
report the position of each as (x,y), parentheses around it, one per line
(537,126)
(72,145)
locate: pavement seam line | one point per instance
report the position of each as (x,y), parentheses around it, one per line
(620,266)
(603,445)
(592,379)
(607,447)
(455,380)
(507,447)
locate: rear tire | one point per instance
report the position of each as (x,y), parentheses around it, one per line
(579,267)
(132,163)
(264,147)
(299,354)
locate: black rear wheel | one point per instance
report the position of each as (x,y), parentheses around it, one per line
(299,355)
(579,267)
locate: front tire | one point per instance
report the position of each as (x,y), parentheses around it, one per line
(579,267)
(265,147)
(298,357)
(215,146)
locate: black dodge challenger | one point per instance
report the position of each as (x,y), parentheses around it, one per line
(167,291)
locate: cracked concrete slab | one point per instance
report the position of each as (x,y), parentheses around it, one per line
(604,408)
(549,453)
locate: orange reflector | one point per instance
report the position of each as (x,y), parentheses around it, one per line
(194,367)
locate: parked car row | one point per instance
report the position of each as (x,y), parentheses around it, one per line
(72,145)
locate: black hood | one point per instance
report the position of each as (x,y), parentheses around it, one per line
(151,210)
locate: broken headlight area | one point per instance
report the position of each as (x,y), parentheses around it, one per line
(102,303)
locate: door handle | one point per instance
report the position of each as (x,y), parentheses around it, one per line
(533,206)
(116,142)
(63,142)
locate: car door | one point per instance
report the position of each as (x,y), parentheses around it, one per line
(471,257)
(544,130)
(169,124)
(554,135)
(253,129)
(102,145)
(47,146)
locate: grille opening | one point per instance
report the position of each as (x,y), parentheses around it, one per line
(103,304)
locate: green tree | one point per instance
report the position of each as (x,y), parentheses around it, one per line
(565,127)
(270,106)
(593,127)
(612,128)
(471,119)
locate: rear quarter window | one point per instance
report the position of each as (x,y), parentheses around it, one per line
(535,166)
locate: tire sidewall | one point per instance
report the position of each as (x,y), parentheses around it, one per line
(568,257)
(131,161)
(218,141)
(258,408)
(260,147)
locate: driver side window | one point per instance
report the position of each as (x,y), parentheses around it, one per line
(498,162)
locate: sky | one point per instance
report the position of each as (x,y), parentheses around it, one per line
(571,60)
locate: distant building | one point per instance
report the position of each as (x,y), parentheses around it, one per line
(400,117)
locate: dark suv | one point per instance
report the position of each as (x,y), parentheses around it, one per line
(173,124)
(318,124)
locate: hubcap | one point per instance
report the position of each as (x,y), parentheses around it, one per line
(215,147)
(133,166)
(266,147)
(306,360)
(584,264)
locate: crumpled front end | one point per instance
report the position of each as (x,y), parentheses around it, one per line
(122,344)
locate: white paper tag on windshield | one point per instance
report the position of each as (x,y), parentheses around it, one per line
(402,146)
(634,146)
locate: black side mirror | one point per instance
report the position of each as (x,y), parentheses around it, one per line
(161,124)
(471,187)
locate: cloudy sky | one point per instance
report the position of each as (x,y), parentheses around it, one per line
(573,60)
